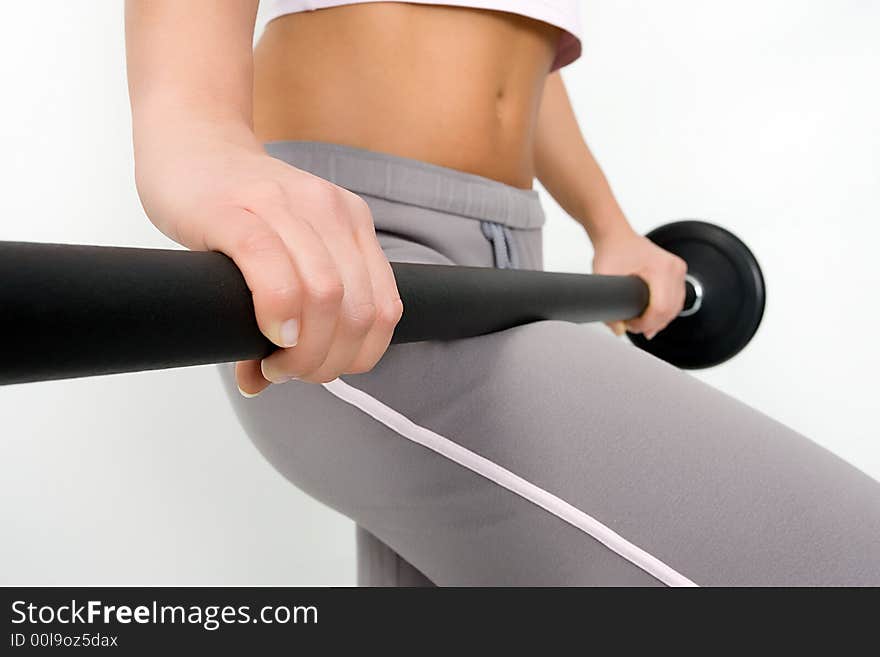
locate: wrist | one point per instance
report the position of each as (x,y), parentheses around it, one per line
(160,119)
(607,227)
(161,133)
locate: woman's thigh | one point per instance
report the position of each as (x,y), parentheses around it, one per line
(555,454)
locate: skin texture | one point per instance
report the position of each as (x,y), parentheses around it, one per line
(462,88)
(456,87)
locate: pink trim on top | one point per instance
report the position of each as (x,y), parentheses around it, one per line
(559,13)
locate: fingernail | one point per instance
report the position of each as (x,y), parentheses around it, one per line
(248,395)
(650,336)
(289,333)
(274,378)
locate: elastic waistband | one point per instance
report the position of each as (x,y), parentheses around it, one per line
(411,182)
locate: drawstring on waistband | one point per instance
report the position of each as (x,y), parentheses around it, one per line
(501,239)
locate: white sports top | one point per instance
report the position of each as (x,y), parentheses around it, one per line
(559,13)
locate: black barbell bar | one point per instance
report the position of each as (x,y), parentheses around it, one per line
(73,310)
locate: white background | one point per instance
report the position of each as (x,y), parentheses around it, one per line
(762,116)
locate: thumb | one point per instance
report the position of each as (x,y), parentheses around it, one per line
(618,328)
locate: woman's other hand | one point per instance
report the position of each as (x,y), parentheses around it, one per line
(626,252)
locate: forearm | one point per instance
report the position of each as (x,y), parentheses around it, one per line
(568,170)
(190,63)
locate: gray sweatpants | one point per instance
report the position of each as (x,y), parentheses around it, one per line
(552,453)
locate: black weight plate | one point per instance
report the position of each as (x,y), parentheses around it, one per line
(733,296)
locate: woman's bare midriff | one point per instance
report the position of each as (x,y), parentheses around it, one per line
(455,87)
